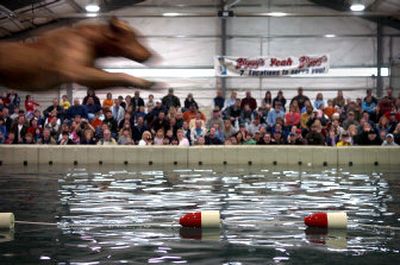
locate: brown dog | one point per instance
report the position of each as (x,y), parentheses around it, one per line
(68,55)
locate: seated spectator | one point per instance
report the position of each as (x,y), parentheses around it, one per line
(159,137)
(170,138)
(187,131)
(255,126)
(386,104)
(88,138)
(329,109)
(137,101)
(107,138)
(90,93)
(127,118)
(249,100)
(369,105)
(171,100)
(295,137)
(125,138)
(280,98)
(47,138)
(277,136)
(229,130)
(10,138)
(191,113)
(315,137)
(319,101)
(111,122)
(350,120)
(219,100)
(233,112)
(183,141)
(292,118)
(56,106)
(300,98)
(92,108)
(138,129)
(30,105)
(29,139)
(128,102)
(266,140)
(211,138)
(97,121)
(345,139)
(274,114)
(215,118)
(160,122)
(108,102)
(198,117)
(246,114)
(65,104)
(77,109)
(146,139)
(249,140)
(65,140)
(198,131)
(19,130)
(189,101)
(53,123)
(389,140)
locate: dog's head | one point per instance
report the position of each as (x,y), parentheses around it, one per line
(123,42)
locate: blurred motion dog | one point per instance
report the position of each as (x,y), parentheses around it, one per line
(68,55)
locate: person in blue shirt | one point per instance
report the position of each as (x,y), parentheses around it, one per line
(274,114)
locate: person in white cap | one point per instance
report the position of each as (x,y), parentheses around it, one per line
(389,140)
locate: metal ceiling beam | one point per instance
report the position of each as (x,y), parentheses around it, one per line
(387,19)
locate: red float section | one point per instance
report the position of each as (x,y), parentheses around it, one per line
(336,220)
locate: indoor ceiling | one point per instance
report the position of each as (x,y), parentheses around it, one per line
(19,17)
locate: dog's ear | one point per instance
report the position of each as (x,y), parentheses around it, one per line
(119,26)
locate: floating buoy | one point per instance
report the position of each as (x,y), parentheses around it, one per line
(201,219)
(7,220)
(336,220)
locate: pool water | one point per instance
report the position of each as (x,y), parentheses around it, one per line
(129,215)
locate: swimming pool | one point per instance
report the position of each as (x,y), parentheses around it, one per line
(130,215)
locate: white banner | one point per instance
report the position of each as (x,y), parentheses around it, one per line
(271,66)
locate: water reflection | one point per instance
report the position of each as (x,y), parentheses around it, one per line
(130,215)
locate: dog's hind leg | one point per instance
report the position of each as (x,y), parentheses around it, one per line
(98,79)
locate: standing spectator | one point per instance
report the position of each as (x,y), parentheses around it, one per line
(189,101)
(150,103)
(137,101)
(91,93)
(219,100)
(118,112)
(280,98)
(171,100)
(249,100)
(301,99)
(339,99)
(267,98)
(231,100)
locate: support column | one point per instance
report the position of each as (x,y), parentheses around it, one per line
(223,46)
(379,57)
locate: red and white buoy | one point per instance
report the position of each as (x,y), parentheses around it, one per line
(204,219)
(337,220)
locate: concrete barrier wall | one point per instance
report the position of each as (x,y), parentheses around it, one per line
(199,155)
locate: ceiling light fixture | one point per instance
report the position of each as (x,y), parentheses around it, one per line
(170,14)
(357,6)
(277,14)
(329,35)
(92,7)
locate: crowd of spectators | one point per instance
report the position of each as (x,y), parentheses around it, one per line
(135,121)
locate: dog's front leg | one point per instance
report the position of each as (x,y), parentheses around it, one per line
(98,79)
